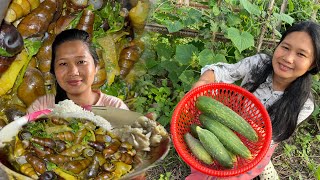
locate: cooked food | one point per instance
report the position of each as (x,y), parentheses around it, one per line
(73,143)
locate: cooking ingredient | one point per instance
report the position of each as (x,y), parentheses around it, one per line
(9,77)
(214,147)
(128,57)
(38,164)
(86,22)
(5,63)
(76,166)
(36,23)
(138,16)
(48,175)
(63,174)
(44,54)
(32,86)
(10,40)
(28,170)
(226,136)
(143,134)
(226,116)
(197,149)
(20,8)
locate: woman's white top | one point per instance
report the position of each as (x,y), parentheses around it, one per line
(229,73)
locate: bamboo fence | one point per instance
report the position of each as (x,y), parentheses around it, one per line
(261,40)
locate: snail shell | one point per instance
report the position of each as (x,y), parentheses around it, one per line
(31,87)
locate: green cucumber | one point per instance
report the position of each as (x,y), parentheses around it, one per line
(226,136)
(214,147)
(197,149)
(226,116)
(193,130)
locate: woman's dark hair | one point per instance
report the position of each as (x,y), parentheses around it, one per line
(284,112)
(66,36)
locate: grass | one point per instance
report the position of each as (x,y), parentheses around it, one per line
(299,156)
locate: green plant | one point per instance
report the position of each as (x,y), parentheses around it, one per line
(165,176)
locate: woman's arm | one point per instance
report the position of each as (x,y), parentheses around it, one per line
(228,73)
(206,78)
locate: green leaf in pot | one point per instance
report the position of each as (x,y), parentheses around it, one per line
(4,53)
(32,46)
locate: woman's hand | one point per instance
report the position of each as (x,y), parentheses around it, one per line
(206,78)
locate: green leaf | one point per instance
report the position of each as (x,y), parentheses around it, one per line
(32,46)
(214,26)
(169,65)
(4,53)
(75,21)
(220,58)
(186,76)
(290,6)
(242,40)
(184,53)
(174,26)
(251,8)
(284,17)
(173,69)
(164,121)
(50,166)
(233,20)
(316,111)
(215,9)
(149,57)
(166,7)
(195,14)
(317,173)
(163,50)
(187,79)
(206,57)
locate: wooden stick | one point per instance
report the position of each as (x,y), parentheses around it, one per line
(264,25)
(314,13)
(193,33)
(282,10)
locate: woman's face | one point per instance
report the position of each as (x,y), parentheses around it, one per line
(74,67)
(293,57)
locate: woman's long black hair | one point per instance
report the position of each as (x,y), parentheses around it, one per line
(284,112)
(65,36)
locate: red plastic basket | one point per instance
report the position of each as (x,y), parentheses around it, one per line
(239,100)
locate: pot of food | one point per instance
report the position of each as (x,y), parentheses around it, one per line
(73,143)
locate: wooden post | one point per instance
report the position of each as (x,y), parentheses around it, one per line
(282,10)
(264,25)
(314,13)
(184,2)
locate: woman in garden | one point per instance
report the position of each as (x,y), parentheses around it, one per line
(74,65)
(281,82)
